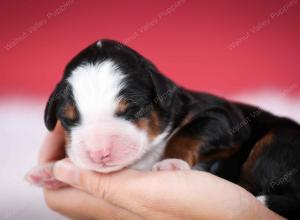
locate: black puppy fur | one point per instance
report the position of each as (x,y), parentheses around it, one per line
(238,142)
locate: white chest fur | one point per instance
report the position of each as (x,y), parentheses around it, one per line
(154,154)
(150,158)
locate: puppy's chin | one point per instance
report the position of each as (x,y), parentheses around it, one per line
(101,168)
(109,169)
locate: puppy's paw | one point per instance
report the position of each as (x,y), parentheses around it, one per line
(171,164)
(42,176)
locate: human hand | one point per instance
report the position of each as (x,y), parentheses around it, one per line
(53,149)
(131,194)
(163,195)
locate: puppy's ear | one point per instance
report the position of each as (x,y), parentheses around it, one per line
(164,89)
(50,117)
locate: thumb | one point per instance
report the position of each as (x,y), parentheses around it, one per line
(114,187)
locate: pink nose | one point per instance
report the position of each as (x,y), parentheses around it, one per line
(100,155)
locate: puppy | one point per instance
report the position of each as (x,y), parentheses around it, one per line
(119,111)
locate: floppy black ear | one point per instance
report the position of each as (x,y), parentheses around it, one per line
(164,89)
(50,117)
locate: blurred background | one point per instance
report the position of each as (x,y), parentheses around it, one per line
(242,50)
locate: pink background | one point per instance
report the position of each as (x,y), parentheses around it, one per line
(188,40)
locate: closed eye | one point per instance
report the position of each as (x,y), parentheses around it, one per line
(67,123)
(68,116)
(130,113)
(135,112)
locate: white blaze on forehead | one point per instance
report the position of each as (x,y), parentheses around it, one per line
(96,88)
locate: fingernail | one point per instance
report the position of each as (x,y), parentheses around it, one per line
(66,172)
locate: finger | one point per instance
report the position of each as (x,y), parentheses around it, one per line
(53,147)
(42,176)
(116,187)
(76,204)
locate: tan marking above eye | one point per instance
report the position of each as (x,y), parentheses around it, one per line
(122,106)
(69,111)
(151,125)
